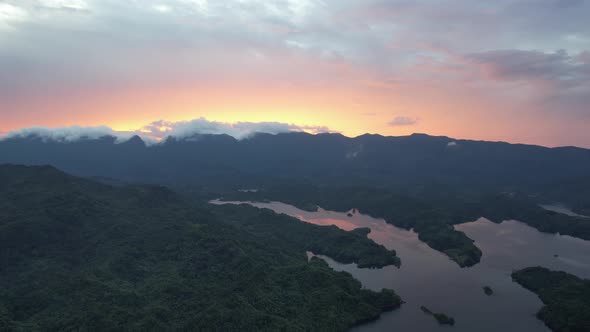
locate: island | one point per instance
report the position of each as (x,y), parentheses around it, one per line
(432,212)
(433,223)
(488,290)
(343,246)
(566,298)
(440,317)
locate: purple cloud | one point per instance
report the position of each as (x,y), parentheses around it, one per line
(403,121)
(557,81)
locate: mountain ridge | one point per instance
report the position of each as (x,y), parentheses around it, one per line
(136,138)
(333,158)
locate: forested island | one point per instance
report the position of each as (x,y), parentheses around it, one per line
(344,247)
(406,212)
(441,318)
(79,255)
(566,298)
(431,211)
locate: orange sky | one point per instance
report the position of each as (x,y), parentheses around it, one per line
(352,110)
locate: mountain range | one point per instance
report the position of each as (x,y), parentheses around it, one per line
(322,158)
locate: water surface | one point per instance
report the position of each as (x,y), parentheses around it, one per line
(429,278)
(561,208)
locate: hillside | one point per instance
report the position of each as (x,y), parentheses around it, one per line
(566,298)
(75,254)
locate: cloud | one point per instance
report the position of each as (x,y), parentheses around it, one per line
(556,81)
(515,65)
(10,15)
(240,130)
(452,145)
(60,58)
(66,134)
(403,121)
(64,4)
(162,8)
(159,130)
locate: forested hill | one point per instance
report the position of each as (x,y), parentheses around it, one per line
(75,254)
(566,298)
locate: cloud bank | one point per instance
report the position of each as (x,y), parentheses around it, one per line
(66,134)
(557,81)
(159,130)
(239,130)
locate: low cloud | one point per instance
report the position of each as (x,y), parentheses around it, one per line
(240,130)
(159,130)
(66,134)
(403,121)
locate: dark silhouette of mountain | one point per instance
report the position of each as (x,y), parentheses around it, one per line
(323,158)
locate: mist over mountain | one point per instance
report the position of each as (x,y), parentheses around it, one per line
(327,158)
(156,131)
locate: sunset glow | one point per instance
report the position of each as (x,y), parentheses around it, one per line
(353,67)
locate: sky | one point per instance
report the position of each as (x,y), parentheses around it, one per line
(503,70)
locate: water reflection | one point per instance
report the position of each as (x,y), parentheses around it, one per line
(427,277)
(514,245)
(560,208)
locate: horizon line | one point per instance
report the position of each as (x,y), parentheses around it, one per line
(70,134)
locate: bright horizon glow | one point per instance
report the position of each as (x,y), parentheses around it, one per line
(157,131)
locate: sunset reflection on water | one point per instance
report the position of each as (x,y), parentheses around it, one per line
(428,277)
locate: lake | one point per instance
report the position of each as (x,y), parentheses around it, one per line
(428,277)
(560,208)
